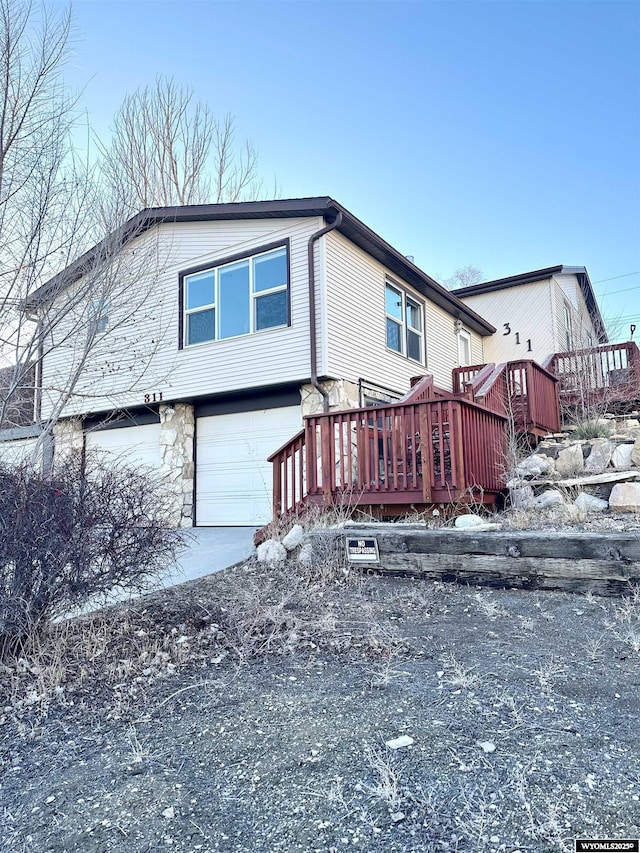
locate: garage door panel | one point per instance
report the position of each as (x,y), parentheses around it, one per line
(233,478)
(137,446)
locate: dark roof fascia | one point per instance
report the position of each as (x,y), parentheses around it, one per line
(351,227)
(540,275)
(510,281)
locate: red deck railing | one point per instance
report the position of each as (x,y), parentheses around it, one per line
(608,374)
(430,451)
(523,390)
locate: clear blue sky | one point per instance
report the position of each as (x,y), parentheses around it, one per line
(500,134)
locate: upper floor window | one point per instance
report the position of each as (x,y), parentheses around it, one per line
(236,298)
(404,323)
(99,315)
(568,325)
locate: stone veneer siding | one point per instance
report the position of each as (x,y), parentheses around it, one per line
(177,431)
(68,438)
(343,394)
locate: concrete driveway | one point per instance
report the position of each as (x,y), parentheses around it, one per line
(209,550)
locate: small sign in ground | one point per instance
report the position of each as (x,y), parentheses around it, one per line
(363,550)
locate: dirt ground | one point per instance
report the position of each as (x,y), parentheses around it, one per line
(252,711)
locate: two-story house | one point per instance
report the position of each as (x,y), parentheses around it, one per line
(223,325)
(537,314)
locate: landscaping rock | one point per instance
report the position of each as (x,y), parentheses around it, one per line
(306,554)
(570,460)
(589,503)
(635,452)
(521,497)
(534,466)
(625,497)
(271,551)
(600,456)
(549,498)
(621,457)
(294,537)
(473,522)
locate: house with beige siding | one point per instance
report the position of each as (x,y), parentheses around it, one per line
(223,326)
(537,314)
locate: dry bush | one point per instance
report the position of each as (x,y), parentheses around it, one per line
(73,534)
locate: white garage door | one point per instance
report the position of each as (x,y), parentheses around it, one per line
(233,478)
(17,452)
(137,445)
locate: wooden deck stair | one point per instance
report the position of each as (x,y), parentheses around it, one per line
(431,447)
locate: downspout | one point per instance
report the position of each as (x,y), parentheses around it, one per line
(313,343)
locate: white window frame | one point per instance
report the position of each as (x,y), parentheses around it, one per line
(403,323)
(254,296)
(463,335)
(568,326)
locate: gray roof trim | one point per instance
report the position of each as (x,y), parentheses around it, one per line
(540,275)
(324,206)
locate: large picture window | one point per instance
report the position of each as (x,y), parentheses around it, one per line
(236,298)
(404,324)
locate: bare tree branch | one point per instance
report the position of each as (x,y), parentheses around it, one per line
(464,277)
(168,149)
(87,329)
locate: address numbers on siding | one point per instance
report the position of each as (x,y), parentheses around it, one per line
(507,331)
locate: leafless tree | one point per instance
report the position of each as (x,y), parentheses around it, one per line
(169,149)
(464,277)
(51,212)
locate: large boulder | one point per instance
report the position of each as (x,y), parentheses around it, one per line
(635,453)
(590,503)
(625,497)
(521,497)
(294,538)
(570,460)
(473,522)
(534,466)
(271,551)
(621,457)
(600,456)
(549,498)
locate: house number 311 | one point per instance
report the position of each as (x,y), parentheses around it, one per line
(507,331)
(156,397)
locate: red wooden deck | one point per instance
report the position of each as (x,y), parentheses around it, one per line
(432,447)
(606,376)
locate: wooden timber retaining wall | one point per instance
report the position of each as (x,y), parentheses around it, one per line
(603,563)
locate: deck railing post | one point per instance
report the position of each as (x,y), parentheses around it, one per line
(277,487)
(327,458)
(426,448)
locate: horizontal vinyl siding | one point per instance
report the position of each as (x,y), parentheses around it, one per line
(356,325)
(528,310)
(143,356)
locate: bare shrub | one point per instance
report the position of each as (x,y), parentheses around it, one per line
(74,534)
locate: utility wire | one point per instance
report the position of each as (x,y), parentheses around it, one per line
(614,277)
(624,290)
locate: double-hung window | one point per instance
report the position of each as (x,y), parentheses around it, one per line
(236,298)
(404,323)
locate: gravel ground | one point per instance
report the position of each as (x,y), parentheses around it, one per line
(251,710)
